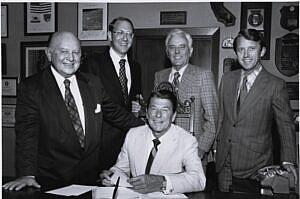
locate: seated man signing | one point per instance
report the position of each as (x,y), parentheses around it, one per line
(159,156)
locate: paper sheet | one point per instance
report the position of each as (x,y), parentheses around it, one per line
(72,190)
(123,179)
(107,192)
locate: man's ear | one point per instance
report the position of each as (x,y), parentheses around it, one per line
(191,51)
(263,51)
(109,35)
(48,53)
(174,117)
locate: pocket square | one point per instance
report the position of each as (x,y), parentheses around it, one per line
(98,108)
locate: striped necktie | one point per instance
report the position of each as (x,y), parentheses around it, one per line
(156,142)
(123,80)
(176,80)
(73,112)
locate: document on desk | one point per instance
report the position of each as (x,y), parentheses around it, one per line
(127,193)
(123,179)
(72,190)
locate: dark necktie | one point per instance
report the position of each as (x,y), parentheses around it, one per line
(123,80)
(73,112)
(176,80)
(156,142)
(243,94)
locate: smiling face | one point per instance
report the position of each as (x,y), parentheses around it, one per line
(121,37)
(64,52)
(160,115)
(249,53)
(178,51)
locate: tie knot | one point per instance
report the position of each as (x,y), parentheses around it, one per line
(156,142)
(67,83)
(176,75)
(122,62)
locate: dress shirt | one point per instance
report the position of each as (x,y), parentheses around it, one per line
(251,77)
(181,71)
(116,58)
(74,90)
(150,145)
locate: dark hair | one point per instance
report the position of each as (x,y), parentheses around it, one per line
(250,34)
(111,26)
(164,94)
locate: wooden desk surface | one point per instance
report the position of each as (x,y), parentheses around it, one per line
(31,193)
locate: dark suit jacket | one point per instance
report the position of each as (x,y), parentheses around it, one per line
(47,145)
(247,135)
(102,66)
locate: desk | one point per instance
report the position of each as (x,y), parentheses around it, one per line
(31,193)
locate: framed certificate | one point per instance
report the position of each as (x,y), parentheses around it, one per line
(8,115)
(9,86)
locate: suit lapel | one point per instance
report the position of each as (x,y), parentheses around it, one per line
(234,84)
(257,90)
(186,81)
(141,155)
(53,97)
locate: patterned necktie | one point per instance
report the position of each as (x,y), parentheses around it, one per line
(156,142)
(73,112)
(176,80)
(243,94)
(123,80)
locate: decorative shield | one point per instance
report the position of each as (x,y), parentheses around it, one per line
(289,17)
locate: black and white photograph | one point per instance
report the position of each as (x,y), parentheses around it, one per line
(150,99)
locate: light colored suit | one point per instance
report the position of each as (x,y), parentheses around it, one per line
(199,83)
(177,157)
(247,135)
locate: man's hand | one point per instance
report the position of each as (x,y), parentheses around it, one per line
(147,183)
(291,168)
(21,182)
(105,177)
(135,107)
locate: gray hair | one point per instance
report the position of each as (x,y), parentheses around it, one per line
(178,31)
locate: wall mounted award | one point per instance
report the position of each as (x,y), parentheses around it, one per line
(287,54)
(289,17)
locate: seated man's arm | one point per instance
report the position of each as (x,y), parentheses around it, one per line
(193,178)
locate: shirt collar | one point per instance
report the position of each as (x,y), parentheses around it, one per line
(115,56)
(164,136)
(181,70)
(60,79)
(252,75)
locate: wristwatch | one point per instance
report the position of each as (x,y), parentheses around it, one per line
(164,185)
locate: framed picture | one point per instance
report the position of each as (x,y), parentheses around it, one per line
(92,21)
(293,90)
(4,21)
(258,16)
(40,18)
(9,86)
(8,115)
(3,59)
(33,58)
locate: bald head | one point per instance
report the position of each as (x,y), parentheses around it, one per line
(64,53)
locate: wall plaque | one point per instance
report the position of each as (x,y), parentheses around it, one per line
(287,54)
(173,18)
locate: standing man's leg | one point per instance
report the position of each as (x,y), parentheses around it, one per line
(225,176)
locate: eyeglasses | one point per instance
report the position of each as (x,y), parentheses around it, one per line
(121,33)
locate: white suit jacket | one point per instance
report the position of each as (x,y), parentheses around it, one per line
(177,157)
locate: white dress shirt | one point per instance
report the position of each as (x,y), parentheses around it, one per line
(74,90)
(116,58)
(173,71)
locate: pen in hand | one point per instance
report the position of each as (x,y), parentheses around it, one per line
(116,189)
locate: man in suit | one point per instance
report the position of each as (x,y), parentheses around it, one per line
(107,67)
(192,81)
(171,163)
(59,120)
(251,99)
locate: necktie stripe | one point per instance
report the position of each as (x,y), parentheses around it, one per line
(73,113)
(152,155)
(123,80)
